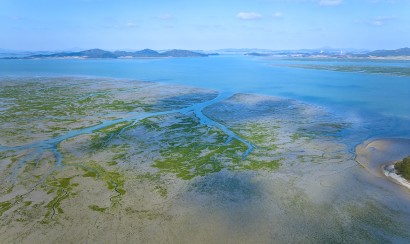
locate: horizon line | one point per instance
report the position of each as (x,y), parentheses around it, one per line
(74,49)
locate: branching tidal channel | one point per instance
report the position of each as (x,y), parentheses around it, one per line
(37,149)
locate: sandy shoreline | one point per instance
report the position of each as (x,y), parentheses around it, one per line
(379,156)
(390,173)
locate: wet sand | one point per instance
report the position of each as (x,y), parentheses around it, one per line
(378,156)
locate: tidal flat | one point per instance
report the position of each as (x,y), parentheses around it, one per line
(370,66)
(107,160)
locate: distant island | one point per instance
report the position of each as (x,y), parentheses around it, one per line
(401,53)
(99,53)
(392,53)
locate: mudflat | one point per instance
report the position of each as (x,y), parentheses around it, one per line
(104,160)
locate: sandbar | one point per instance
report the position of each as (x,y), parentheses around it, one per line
(378,157)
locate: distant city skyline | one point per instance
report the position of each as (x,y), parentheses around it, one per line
(207,25)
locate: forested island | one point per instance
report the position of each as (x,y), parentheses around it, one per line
(403,168)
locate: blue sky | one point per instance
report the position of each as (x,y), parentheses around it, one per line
(211,24)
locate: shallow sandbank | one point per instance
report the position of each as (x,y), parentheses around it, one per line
(377,155)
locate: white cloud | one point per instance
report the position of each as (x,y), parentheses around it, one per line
(379,21)
(248,16)
(330,2)
(277,15)
(166,17)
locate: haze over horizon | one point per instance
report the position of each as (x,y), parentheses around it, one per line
(266,24)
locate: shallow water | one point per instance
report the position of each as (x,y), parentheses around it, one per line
(356,95)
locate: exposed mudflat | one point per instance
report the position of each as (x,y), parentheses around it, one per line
(101,161)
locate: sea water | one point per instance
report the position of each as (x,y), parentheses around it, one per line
(378,102)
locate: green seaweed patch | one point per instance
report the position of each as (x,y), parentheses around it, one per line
(97,208)
(112,163)
(114,186)
(114,128)
(258,133)
(27,203)
(103,136)
(199,159)
(322,130)
(62,187)
(91,174)
(60,182)
(29,166)
(119,156)
(4,206)
(92,98)
(9,190)
(149,124)
(144,214)
(263,136)
(54,204)
(126,106)
(192,155)
(114,180)
(296,136)
(106,102)
(162,191)
(60,210)
(336,126)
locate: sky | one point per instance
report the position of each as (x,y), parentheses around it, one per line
(203,25)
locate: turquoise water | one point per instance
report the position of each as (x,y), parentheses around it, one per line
(378,104)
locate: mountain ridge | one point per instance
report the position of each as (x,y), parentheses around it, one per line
(405,51)
(100,53)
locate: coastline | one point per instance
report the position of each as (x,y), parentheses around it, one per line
(390,173)
(378,156)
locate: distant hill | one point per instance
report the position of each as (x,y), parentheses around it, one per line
(149,53)
(25,53)
(96,53)
(182,53)
(146,53)
(390,53)
(99,53)
(92,53)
